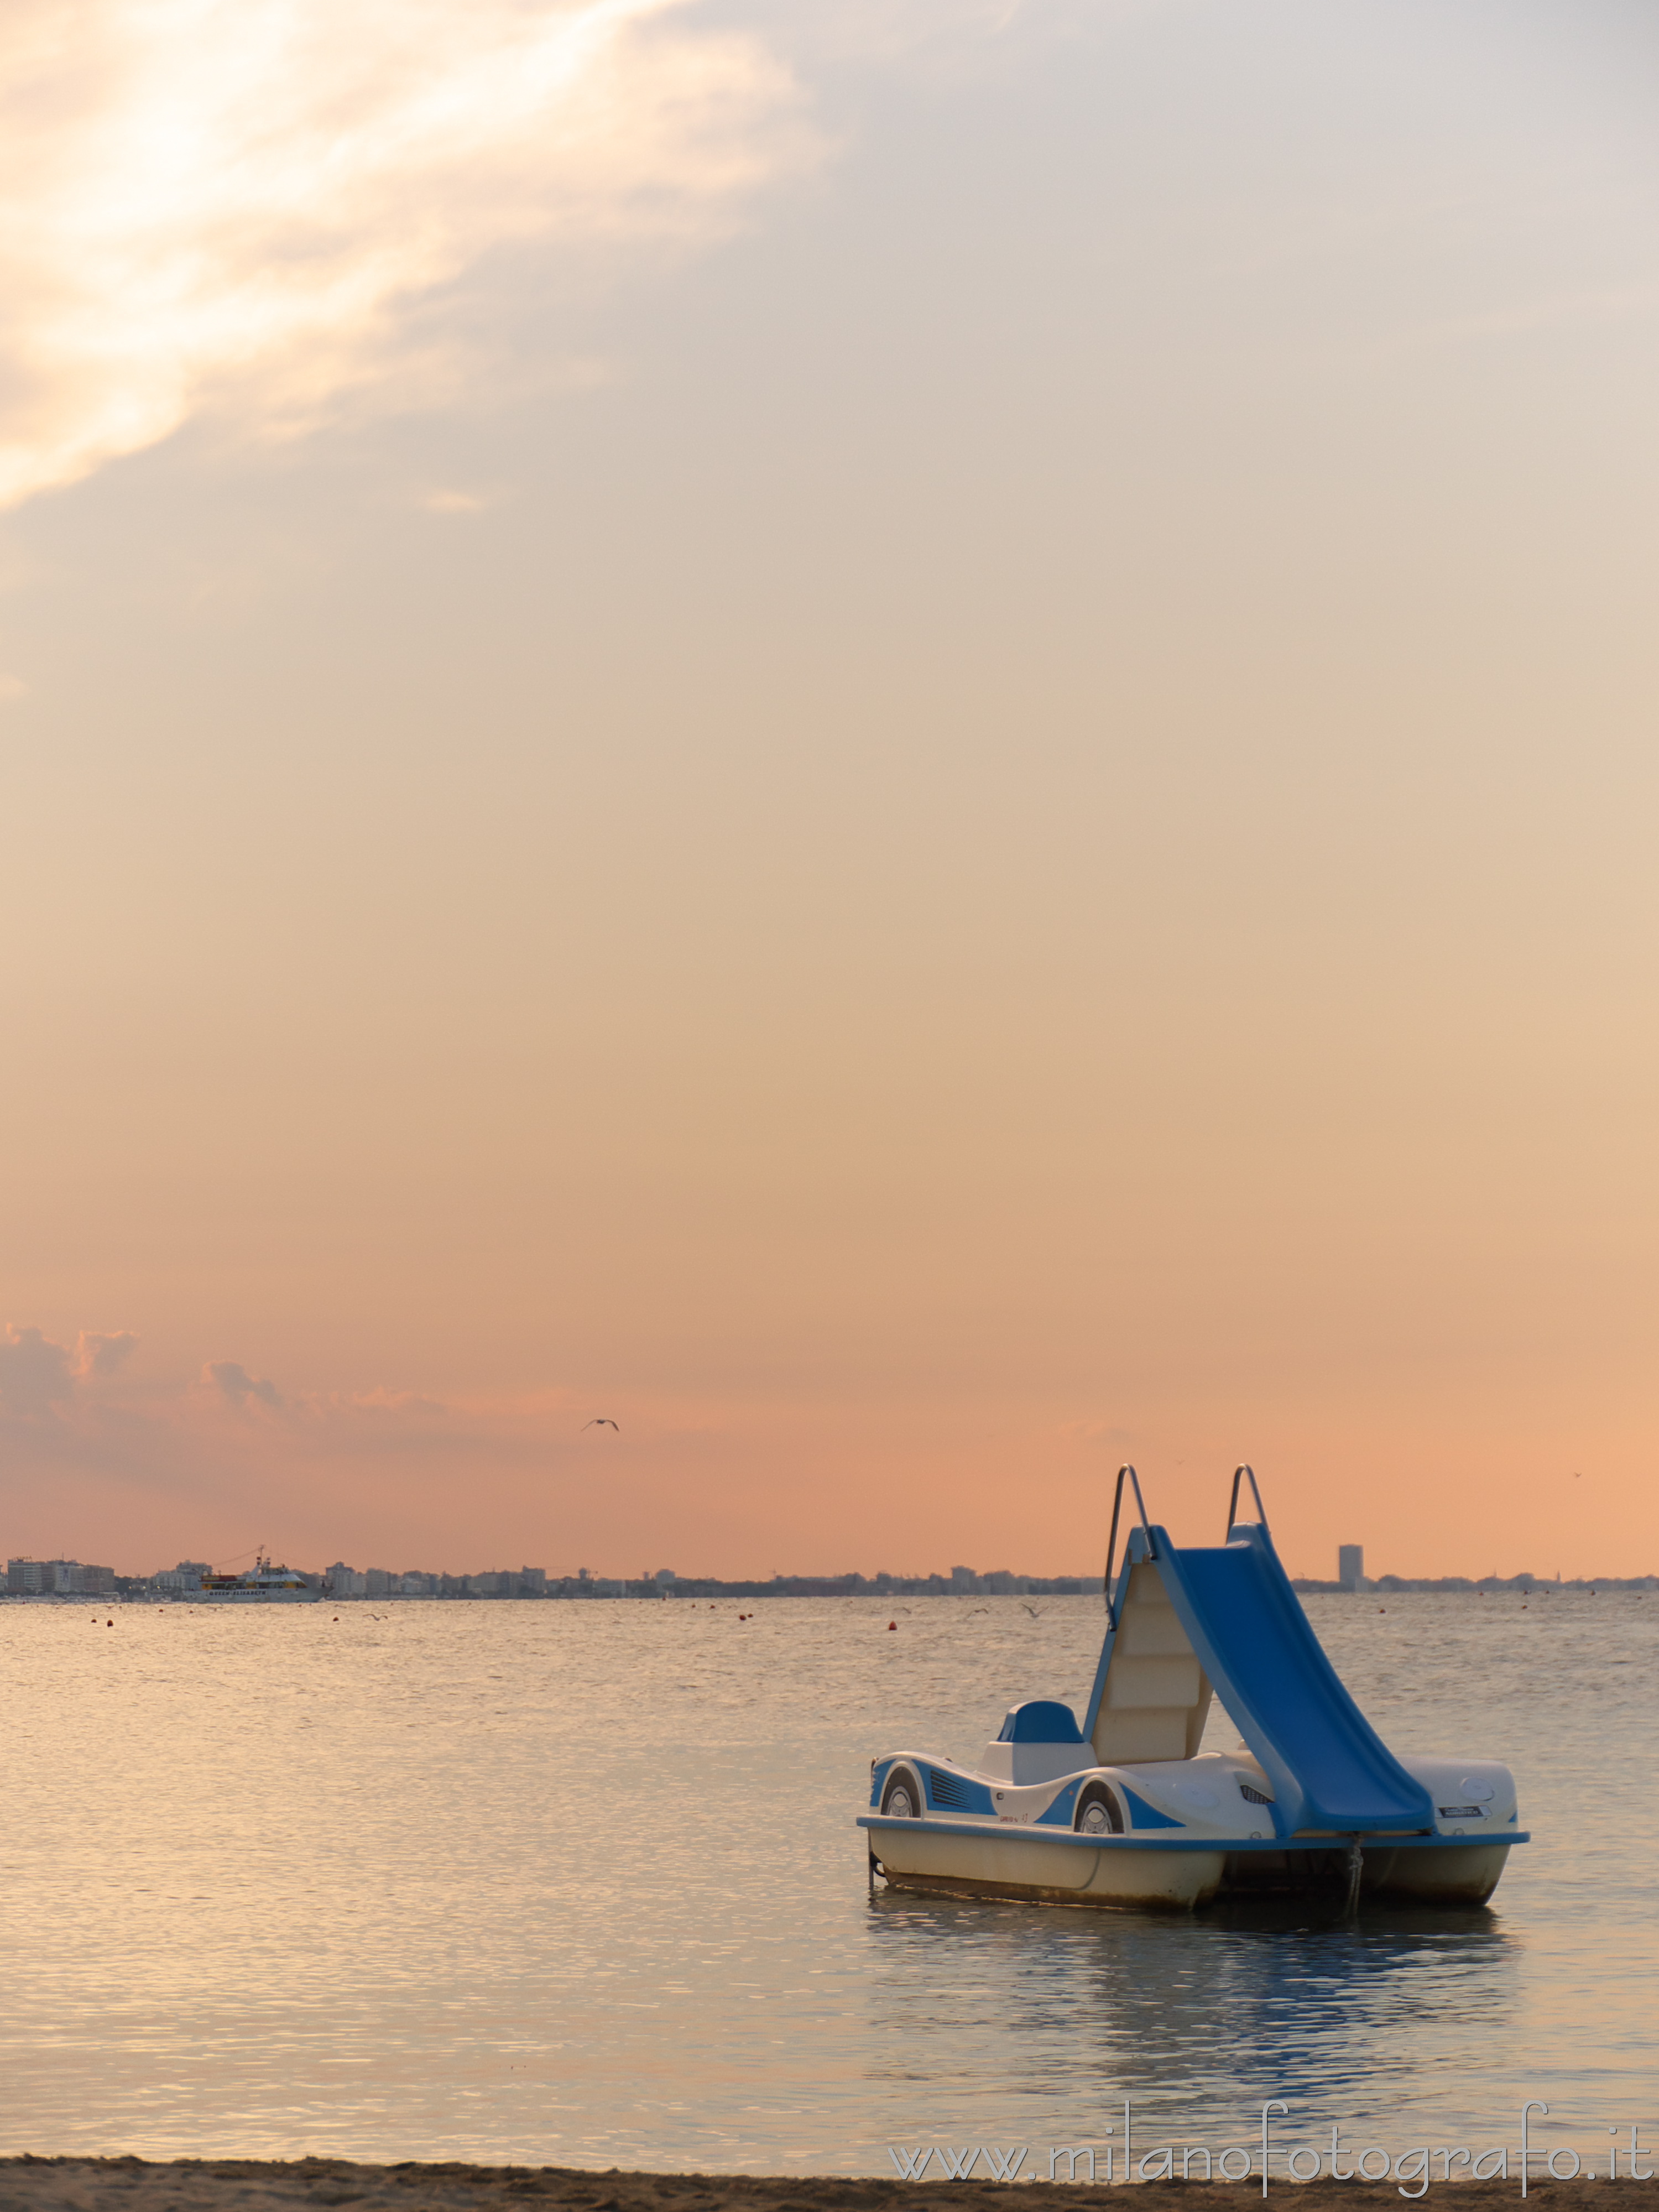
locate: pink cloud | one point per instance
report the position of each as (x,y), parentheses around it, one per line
(237,1387)
(103,1356)
(36,1375)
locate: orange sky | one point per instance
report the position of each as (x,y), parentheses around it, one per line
(913,745)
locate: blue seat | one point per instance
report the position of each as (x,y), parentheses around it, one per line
(1041,1720)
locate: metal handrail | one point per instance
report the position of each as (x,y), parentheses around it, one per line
(1111,1544)
(1239,1474)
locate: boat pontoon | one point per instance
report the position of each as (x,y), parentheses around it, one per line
(1127,1810)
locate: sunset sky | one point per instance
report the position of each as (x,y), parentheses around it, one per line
(912,742)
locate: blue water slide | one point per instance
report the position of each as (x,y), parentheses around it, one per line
(1328,1766)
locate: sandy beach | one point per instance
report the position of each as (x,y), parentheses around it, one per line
(133,2185)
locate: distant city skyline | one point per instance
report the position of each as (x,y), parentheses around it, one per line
(28,1577)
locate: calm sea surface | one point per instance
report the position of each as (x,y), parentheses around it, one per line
(579,1885)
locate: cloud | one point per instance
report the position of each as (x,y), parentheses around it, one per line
(237,1386)
(251,205)
(103,1356)
(35,1373)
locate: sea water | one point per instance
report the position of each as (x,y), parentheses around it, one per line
(579,1884)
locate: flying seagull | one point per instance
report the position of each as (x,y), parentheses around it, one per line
(601,1423)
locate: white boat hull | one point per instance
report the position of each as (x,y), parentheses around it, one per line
(1023,1869)
(956,1859)
(1450,1874)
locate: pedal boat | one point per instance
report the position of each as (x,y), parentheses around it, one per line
(1127,1811)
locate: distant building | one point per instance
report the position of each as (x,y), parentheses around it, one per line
(964,1578)
(1351,1566)
(71,1579)
(664,1575)
(342,1581)
(58,1578)
(186,1575)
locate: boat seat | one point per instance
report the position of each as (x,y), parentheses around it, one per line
(1041,1720)
(1038,1741)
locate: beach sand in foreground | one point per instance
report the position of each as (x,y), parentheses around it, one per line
(235,2185)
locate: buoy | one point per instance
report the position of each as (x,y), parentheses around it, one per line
(892,1624)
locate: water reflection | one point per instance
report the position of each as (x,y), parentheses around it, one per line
(1196,2019)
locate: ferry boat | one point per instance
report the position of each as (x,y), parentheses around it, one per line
(262,1584)
(1128,1810)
